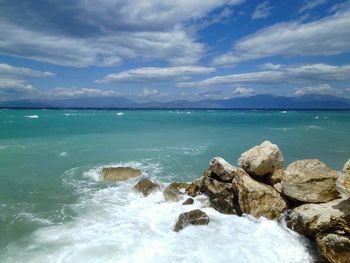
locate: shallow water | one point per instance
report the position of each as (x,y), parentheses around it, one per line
(53,208)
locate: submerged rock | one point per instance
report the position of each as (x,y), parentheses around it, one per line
(145,186)
(261,160)
(194,217)
(119,173)
(257,199)
(311,219)
(189,201)
(175,191)
(222,170)
(334,247)
(310,181)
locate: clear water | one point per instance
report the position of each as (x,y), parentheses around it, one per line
(54,208)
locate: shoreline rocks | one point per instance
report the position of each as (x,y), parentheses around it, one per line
(113,174)
(146,187)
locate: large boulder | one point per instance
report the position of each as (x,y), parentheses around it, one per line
(175,191)
(223,202)
(222,170)
(310,181)
(261,160)
(119,173)
(194,217)
(257,199)
(334,247)
(311,219)
(145,186)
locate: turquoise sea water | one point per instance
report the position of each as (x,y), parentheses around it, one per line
(53,208)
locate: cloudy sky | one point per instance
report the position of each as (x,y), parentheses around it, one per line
(158,50)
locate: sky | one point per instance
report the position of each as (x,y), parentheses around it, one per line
(163,50)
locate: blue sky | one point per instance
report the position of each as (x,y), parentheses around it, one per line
(164,50)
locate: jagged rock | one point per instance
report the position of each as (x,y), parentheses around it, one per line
(175,191)
(346,168)
(223,202)
(222,170)
(343,184)
(194,188)
(275,177)
(310,181)
(257,199)
(334,247)
(146,187)
(261,160)
(310,219)
(119,173)
(189,201)
(194,217)
(212,186)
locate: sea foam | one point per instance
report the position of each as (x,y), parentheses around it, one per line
(113,223)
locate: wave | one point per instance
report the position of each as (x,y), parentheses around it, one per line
(120,113)
(32,116)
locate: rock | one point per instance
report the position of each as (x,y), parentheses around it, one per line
(223,202)
(119,173)
(261,160)
(343,184)
(311,219)
(189,201)
(212,186)
(346,168)
(146,187)
(278,187)
(275,177)
(310,181)
(175,191)
(222,170)
(194,217)
(257,199)
(334,247)
(194,188)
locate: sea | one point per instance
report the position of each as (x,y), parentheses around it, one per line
(55,208)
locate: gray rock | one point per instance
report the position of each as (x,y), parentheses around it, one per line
(145,186)
(261,160)
(119,173)
(223,202)
(175,191)
(194,217)
(189,201)
(310,181)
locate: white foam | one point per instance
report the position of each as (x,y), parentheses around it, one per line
(284,112)
(313,127)
(317,117)
(120,113)
(116,224)
(32,116)
(63,154)
(33,218)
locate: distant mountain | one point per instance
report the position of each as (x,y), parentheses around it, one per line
(311,101)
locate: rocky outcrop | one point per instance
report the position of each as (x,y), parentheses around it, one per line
(175,191)
(312,219)
(145,186)
(310,181)
(194,217)
(223,202)
(261,160)
(119,173)
(257,199)
(189,201)
(334,247)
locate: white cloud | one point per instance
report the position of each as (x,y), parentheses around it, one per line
(106,33)
(244,92)
(149,93)
(325,37)
(311,4)
(262,10)
(319,89)
(151,74)
(6,69)
(277,74)
(81,92)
